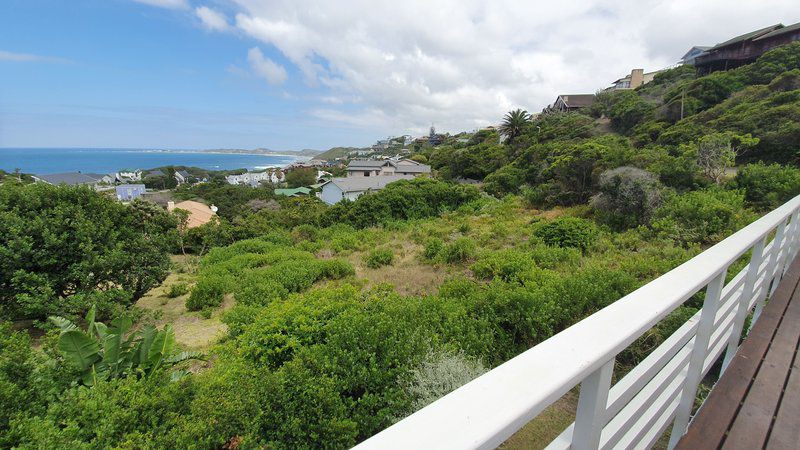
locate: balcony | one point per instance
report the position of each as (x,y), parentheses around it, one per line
(757,395)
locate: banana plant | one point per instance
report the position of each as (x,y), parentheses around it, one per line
(104,352)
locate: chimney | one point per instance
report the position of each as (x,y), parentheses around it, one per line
(637,78)
(170,206)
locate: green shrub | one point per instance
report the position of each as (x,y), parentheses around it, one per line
(567,232)
(378,258)
(701,217)
(336,269)
(432,248)
(460,250)
(767,186)
(628,196)
(208,292)
(507,265)
(438,374)
(177,289)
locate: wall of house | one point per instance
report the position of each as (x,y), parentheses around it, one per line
(331,194)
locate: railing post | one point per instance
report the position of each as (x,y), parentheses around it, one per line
(699,352)
(773,260)
(780,251)
(792,243)
(590,417)
(742,307)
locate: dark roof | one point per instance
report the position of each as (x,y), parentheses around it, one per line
(98,176)
(780,31)
(577,100)
(69,178)
(360,184)
(155,173)
(747,36)
(183,173)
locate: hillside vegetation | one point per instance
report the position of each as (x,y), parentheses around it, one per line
(340,321)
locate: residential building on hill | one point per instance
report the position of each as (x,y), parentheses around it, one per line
(746,48)
(570,102)
(182,176)
(127,176)
(351,188)
(129,192)
(199,213)
(636,78)
(690,56)
(293,192)
(94,180)
(387,167)
(274,176)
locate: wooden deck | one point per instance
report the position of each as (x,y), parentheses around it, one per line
(756,403)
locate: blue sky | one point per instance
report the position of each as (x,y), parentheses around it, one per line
(294,74)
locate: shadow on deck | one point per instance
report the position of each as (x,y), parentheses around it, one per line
(756,403)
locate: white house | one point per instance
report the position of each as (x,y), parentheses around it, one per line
(127,176)
(367,168)
(182,176)
(274,176)
(351,188)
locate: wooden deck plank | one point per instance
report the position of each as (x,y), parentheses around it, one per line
(710,426)
(785,431)
(754,420)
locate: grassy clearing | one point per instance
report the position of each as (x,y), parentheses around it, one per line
(192,331)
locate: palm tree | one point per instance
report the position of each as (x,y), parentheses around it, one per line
(514,123)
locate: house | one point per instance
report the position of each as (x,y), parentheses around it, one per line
(199,214)
(127,176)
(636,78)
(293,192)
(155,174)
(129,192)
(351,188)
(746,48)
(182,176)
(570,102)
(274,176)
(71,179)
(366,168)
(690,56)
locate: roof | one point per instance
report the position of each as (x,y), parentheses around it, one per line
(577,100)
(183,173)
(779,31)
(98,176)
(699,48)
(155,173)
(747,36)
(361,184)
(366,163)
(293,192)
(128,186)
(199,213)
(69,178)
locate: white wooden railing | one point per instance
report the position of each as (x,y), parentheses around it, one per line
(657,393)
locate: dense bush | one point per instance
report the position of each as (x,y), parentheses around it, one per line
(60,241)
(567,232)
(628,196)
(767,186)
(378,258)
(208,292)
(432,248)
(403,200)
(177,289)
(701,216)
(460,250)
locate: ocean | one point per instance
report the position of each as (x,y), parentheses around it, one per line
(108,160)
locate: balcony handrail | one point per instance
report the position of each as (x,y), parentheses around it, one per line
(488,410)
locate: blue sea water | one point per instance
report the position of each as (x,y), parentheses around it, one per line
(107,160)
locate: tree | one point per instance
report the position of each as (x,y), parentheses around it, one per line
(514,123)
(58,242)
(717,152)
(301,177)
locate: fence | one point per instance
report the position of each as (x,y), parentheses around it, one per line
(658,392)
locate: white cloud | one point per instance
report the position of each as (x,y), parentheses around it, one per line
(28,57)
(265,68)
(170,4)
(212,19)
(462,64)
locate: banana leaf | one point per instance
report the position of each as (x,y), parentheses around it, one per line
(79,348)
